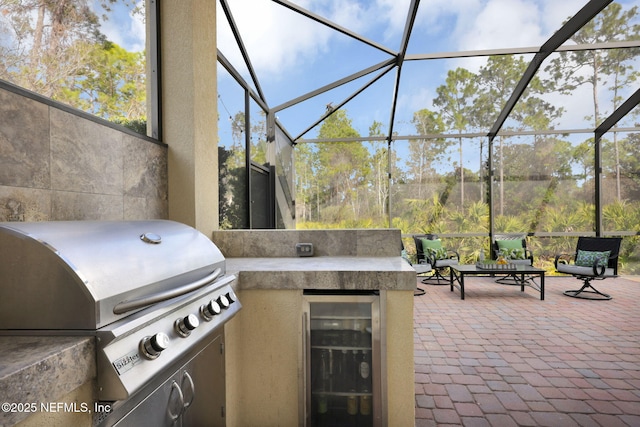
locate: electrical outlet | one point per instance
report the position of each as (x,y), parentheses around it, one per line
(304,249)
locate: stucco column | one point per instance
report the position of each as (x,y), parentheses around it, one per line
(189,110)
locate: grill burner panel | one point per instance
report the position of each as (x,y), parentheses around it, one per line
(124,364)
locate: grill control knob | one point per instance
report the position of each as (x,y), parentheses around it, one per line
(185,325)
(223,301)
(152,346)
(209,310)
(231,297)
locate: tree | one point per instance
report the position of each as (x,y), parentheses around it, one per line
(423,152)
(232,178)
(306,165)
(496,81)
(455,99)
(56,49)
(112,84)
(380,163)
(624,76)
(46,36)
(630,165)
(615,67)
(233,212)
(572,69)
(343,166)
(233,174)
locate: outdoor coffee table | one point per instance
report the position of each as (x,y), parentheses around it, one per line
(458,272)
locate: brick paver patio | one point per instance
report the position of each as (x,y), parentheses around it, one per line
(504,358)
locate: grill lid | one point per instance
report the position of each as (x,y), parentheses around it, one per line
(72,274)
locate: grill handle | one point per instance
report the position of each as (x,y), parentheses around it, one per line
(134,304)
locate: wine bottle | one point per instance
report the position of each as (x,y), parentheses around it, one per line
(364,371)
(325,372)
(365,417)
(342,382)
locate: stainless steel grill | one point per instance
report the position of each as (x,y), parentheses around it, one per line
(152,292)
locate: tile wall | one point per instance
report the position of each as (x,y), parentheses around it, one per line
(333,242)
(56,166)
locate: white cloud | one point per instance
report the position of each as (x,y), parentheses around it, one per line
(379,17)
(352,16)
(415,100)
(492,24)
(503,23)
(123,28)
(448,17)
(138,30)
(554,13)
(392,16)
(277,39)
(470,25)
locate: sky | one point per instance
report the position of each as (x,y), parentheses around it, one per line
(293,55)
(123,28)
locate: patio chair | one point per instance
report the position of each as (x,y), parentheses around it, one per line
(596,258)
(420,268)
(429,250)
(513,248)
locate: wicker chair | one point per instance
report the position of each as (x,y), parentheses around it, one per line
(595,258)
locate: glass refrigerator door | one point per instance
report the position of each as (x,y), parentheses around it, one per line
(343,360)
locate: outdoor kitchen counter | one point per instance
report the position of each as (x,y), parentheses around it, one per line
(323,272)
(264,342)
(42,370)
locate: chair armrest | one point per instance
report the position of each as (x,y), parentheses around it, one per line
(453,254)
(563,259)
(428,258)
(598,270)
(613,257)
(528,255)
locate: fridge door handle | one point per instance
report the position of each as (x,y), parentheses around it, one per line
(306,367)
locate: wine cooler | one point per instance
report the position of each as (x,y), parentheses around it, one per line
(342,378)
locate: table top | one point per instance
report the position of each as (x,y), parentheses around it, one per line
(519,268)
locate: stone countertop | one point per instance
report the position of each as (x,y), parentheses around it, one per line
(324,272)
(42,369)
